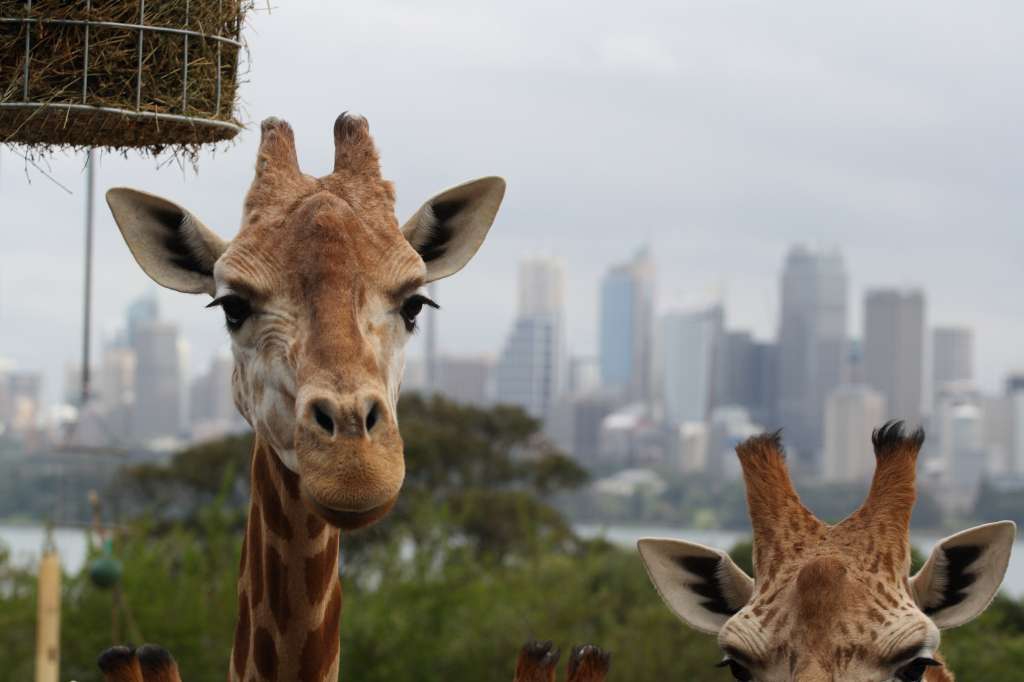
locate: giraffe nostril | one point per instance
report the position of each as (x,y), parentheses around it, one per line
(322,418)
(373,416)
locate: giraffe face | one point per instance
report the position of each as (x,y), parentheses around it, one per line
(832,602)
(829,617)
(320,291)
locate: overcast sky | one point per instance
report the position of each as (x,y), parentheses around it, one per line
(721,132)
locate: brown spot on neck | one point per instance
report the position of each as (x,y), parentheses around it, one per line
(268,493)
(254,547)
(264,654)
(320,651)
(277,589)
(322,571)
(240,650)
(314,526)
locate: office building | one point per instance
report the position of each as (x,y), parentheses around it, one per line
(158,381)
(626,326)
(894,327)
(812,347)
(531,370)
(851,413)
(20,406)
(467,380)
(728,426)
(747,375)
(688,344)
(1015,394)
(212,412)
(575,424)
(952,355)
(963,453)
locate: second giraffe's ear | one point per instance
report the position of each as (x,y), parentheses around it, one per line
(963,573)
(701,585)
(170,244)
(448,229)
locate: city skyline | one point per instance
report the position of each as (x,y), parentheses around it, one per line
(892,144)
(55,381)
(709,384)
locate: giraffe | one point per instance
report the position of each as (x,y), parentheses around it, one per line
(320,292)
(832,602)
(538,662)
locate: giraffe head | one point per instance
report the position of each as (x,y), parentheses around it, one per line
(832,602)
(320,290)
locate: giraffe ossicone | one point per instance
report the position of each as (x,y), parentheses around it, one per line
(832,602)
(320,291)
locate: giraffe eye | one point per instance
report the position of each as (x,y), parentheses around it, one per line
(737,670)
(915,670)
(411,307)
(236,310)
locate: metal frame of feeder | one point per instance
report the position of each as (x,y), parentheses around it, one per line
(137,114)
(142,28)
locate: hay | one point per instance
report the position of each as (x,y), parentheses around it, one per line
(178,103)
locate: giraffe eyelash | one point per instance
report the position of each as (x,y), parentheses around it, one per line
(411,308)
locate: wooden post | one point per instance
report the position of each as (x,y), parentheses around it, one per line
(48,620)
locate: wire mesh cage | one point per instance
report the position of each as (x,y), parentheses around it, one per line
(120,73)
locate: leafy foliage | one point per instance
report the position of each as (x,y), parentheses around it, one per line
(472,562)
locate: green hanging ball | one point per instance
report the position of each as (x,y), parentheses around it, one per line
(105,572)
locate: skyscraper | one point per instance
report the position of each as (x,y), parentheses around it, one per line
(431,362)
(466,379)
(20,406)
(852,411)
(531,369)
(626,327)
(212,411)
(117,391)
(158,378)
(747,375)
(894,349)
(142,311)
(541,286)
(688,345)
(952,355)
(1015,392)
(964,454)
(811,346)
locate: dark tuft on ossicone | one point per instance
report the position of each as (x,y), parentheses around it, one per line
(114,658)
(588,662)
(890,437)
(154,658)
(761,443)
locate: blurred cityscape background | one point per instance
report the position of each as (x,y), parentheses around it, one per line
(670,392)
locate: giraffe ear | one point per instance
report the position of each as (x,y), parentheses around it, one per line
(701,585)
(963,573)
(170,244)
(448,229)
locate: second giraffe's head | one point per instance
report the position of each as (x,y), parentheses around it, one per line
(832,602)
(320,292)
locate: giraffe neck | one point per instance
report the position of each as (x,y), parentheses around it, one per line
(289,593)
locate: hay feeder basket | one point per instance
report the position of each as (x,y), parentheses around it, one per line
(119,73)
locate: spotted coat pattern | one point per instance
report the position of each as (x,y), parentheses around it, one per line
(289,592)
